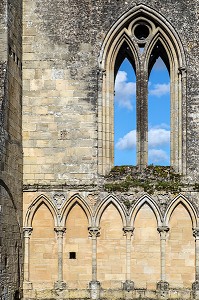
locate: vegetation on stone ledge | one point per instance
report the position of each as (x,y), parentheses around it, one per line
(151,179)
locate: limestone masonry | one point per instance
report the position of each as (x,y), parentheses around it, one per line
(73,226)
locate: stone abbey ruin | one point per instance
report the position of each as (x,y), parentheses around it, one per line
(73,225)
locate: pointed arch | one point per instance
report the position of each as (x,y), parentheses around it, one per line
(159,36)
(129,50)
(181,199)
(120,31)
(41,199)
(104,204)
(75,199)
(123,36)
(148,13)
(152,204)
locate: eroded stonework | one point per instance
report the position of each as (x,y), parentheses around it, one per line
(89,231)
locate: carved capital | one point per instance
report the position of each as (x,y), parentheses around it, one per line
(182,71)
(196,233)
(60,231)
(128,230)
(94,231)
(27,232)
(101,73)
(163,230)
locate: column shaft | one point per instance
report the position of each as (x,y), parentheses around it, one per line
(128,231)
(163,235)
(27,232)
(60,232)
(196,235)
(94,233)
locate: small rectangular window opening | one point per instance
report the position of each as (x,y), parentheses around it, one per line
(72,255)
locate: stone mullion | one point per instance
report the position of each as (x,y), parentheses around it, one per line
(27,232)
(60,233)
(128,231)
(142,116)
(182,133)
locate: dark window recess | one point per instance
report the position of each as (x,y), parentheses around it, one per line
(141,32)
(72,255)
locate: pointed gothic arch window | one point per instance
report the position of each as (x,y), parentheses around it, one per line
(125,108)
(159,107)
(142,35)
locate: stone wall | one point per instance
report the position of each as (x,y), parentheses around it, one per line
(62,44)
(82,239)
(145,248)
(10,149)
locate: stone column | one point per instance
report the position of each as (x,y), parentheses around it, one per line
(60,284)
(195,285)
(128,285)
(27,233)
(94,285)
(163,285)
(142,116)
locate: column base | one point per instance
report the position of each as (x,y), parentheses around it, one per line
(94,287)
(195,289)
(60,285)
(162,289)
(128,285)
(27,285)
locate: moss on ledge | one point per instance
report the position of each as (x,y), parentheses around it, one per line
(151,179)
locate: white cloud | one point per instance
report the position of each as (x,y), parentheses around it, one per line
(128,141)
(157,155)
(162,125)
(157,137)
(159,89)
(124,90)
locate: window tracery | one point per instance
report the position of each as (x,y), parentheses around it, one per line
(142,36)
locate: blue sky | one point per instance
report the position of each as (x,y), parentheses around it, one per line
(158,115)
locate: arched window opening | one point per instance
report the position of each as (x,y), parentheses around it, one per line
(159,107)
(125,112)
(143,39)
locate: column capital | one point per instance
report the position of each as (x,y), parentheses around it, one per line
(94,231)
(101,73)
(163,231)
(182,70)
(128,230)
(196,233)
(60,231)
(27,231)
